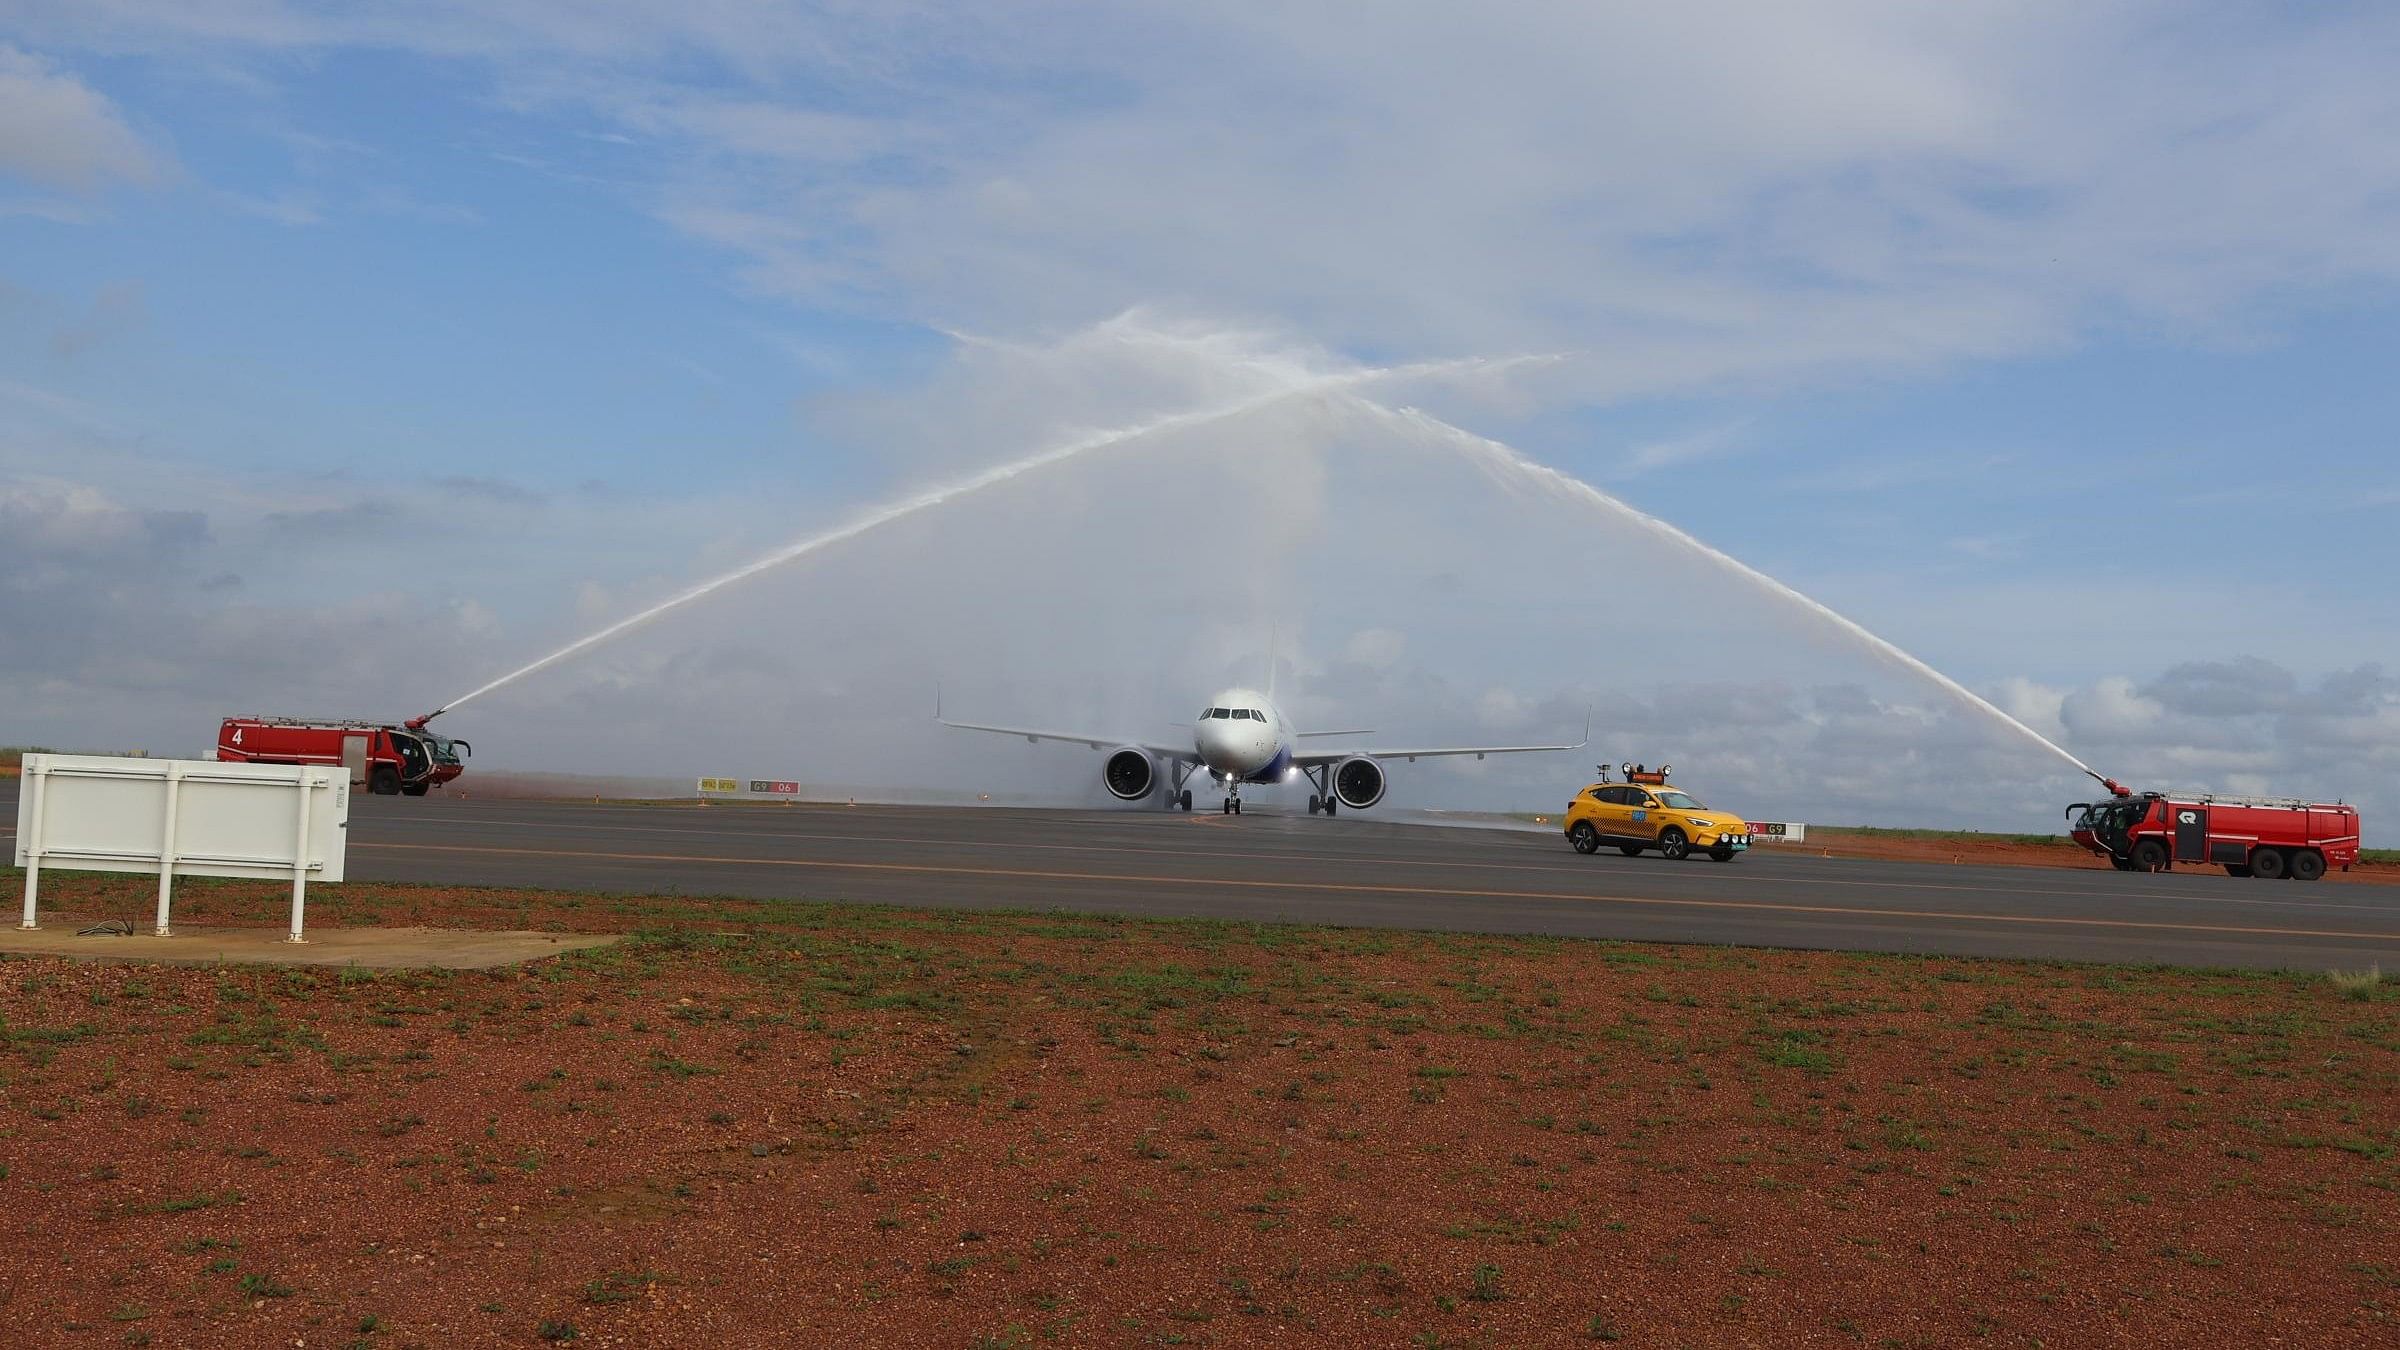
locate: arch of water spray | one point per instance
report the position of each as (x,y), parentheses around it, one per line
(1341,390)
(969,486)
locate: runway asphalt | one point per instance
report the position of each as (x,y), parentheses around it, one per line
(1357,870)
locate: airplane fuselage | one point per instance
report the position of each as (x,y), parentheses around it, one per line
(1240,737)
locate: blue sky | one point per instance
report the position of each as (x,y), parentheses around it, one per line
(2052,342)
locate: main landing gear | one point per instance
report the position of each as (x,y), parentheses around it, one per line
(1322,799)
(1179,796)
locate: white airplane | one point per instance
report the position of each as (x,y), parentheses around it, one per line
(1240,738)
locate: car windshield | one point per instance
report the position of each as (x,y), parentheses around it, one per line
(1681,801)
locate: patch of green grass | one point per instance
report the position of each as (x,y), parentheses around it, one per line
(265,1286)
(618,1286)
(1799,1048)
(2355,984)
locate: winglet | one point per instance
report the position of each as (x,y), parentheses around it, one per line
(1587,729)
(937,700)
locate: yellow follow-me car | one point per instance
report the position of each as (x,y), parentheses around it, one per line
(1643,812)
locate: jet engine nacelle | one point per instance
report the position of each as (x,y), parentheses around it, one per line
(1129,773)
(1358,782)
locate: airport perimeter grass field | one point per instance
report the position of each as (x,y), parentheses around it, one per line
(851,1125)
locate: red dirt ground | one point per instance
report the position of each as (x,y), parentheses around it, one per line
(838,1125)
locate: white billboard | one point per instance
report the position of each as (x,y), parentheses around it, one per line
(182,817)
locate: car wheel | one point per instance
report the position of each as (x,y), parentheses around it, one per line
(1673,845)
(1584,837)
(1721,854)
(2266,862)
(2307,865)
(2149,856)
(1630,850)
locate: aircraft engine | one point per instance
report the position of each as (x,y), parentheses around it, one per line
(1358,781)
(1130,774)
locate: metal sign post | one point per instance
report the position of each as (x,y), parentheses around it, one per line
(29,834)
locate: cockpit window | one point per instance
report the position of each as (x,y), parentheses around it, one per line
(1218,713)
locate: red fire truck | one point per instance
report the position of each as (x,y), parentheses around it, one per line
(387,760)
(2247,836)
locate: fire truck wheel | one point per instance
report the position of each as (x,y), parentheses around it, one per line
(2149,856)
(385,782)
(2266,862)
(1672,845)
(416,789)
(2307,865)
(1584,837)
(2237,869)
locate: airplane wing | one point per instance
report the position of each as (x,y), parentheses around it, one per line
(1312,758)
(1172,752)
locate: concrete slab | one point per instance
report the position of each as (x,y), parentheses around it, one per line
(372,948)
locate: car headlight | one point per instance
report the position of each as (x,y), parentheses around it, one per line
(1703,824)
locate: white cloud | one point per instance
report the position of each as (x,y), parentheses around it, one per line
(1375,648)
(1680,451)
(1684,196)
(58,131)
(2110,710)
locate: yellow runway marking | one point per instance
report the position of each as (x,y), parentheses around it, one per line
(1360,888)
